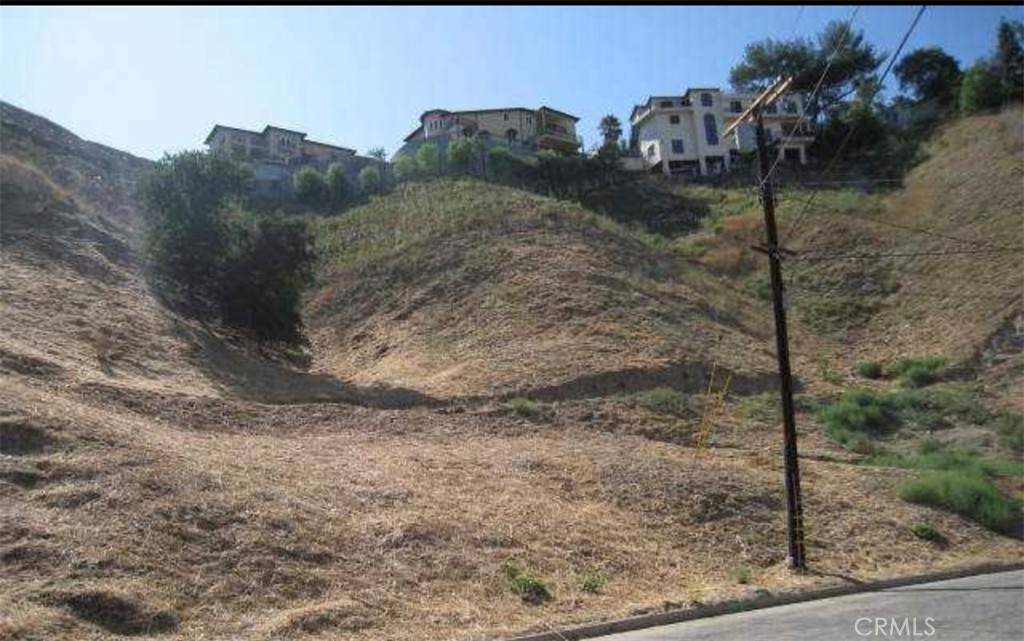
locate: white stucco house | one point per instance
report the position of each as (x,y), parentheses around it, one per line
(681,135)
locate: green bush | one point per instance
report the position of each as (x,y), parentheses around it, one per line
(310,187)
(428,159)
(859,413)
(966,494)
(592,583)
(1010,430)
(529,587)
(665,400)
(339,191)
(981,89)
(460,156)
(870,369)
(209,257)
(927,532)
(406,168)
(918,371)
(369,179)
(525,408)
(741,575)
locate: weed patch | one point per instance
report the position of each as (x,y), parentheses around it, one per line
(666,401)
(529,587)
(966,494)
(927,532)
(525,408)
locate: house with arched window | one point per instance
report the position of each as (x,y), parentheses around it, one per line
(681,135)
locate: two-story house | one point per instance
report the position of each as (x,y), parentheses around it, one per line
(274,144)
(681,135)
(519,128)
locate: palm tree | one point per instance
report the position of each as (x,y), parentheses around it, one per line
(611,129)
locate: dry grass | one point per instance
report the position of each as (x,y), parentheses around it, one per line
(159,478)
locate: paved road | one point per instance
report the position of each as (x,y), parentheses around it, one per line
(978,608)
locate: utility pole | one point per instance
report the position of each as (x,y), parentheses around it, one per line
(795,557)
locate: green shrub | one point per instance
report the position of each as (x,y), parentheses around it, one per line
(966,494)
(859,413)
(529,587)
(309,186)
(406,168)
(525,408)
(1010,430)
(428,159)
(918,371)
(592,583)
(927,532)
(339,191)
(763,408)
(369,179)
(870,369)
(741,575)
(665,400)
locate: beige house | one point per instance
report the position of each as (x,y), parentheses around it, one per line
(275,145)
(681,135)
(518,127)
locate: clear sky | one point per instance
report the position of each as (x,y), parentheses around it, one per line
(150,80)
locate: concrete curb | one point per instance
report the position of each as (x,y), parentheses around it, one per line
(590,630)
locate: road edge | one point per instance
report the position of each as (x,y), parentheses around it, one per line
(590,630)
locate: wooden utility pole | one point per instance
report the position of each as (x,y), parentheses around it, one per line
(795,557)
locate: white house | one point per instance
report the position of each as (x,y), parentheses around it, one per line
(681,135)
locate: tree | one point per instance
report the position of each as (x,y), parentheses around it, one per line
(379,154)
(268,264)
(981,89)
(184,196)
(369,179)
(406,168)
(427,157)
(338,189)
(501,163)
(852,60)
(1010,57)
(932,75)
(611,129)
(460,156)
(309,186)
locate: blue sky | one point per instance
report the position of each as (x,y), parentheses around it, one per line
(150,80)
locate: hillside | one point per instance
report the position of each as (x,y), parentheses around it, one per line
(460,288)
(162,480)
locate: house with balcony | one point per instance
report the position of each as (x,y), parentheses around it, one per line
(681,135)
(521,129)
(276,153)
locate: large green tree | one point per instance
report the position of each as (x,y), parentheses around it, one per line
(932,75)
(840,57)
(1010,57)
(339,191)
(428,158)
(184,197)
(460,156)
(369,179)
(981,89)
(309,186)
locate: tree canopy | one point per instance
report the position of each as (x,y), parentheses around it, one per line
(852,61)
(930,74)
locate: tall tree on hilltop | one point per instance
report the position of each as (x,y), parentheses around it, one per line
(852,60)
(611,129)
(1010,57)
(932,75)
(380,155)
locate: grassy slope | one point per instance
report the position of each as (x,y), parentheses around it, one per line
(154,496)
(463,288)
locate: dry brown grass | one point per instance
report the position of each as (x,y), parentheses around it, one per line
(159,478)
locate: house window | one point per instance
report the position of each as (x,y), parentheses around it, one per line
(665,103)
(736,106)
(673,120)
(650,151)
(677,146)
(710,129)
(504,116)
(705,100)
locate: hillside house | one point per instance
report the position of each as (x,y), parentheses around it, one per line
(276,153)
(522,130)
(681,135)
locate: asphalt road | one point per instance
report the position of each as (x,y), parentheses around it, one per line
(989,607)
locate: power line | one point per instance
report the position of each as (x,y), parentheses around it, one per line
(849,133)
(876,256)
